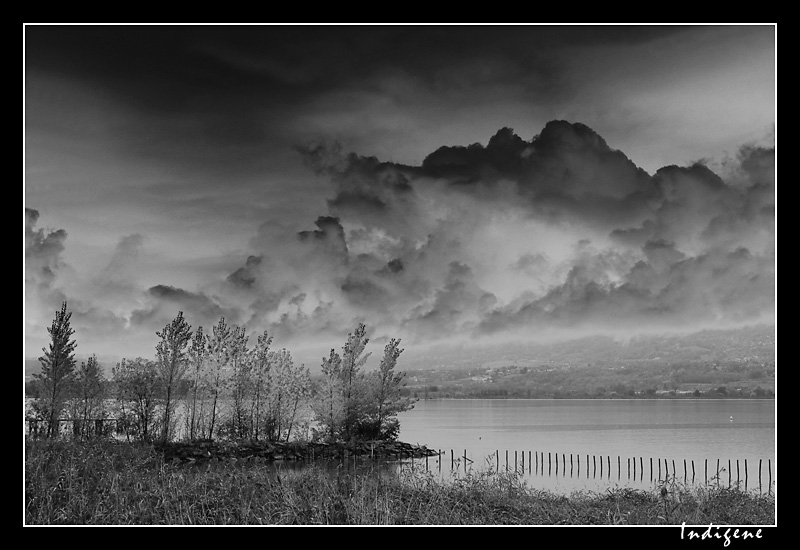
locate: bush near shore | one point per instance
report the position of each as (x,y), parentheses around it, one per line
(205,450)
(109,483)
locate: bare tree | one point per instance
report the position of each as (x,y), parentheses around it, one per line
(260,365)
(197,356)
(240,383)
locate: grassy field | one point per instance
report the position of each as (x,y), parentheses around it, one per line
(106,483)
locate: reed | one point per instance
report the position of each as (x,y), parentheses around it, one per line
(105,483)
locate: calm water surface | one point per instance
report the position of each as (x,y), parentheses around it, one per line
(666,431)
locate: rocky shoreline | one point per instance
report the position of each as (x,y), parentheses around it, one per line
(210,450)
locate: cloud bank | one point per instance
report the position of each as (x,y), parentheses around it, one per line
(515,238)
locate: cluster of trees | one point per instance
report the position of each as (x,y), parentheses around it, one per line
(214,385)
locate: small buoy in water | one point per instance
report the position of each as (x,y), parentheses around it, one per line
(731,419)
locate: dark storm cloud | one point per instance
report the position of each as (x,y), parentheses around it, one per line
(364,292)
(394,266)
(42,251)
(698,205)
(686,246)
(210,97)
(166,301)
(190,133)
(245,277)
(375,193)
(180,296)
(329,235)
(752,208)
(758,163)
(403,247)
(567,170)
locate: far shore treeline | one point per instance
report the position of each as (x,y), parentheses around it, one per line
(217,384)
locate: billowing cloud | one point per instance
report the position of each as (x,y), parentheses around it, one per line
(566,172)
(245,277)
(125,257)
(512,239)
(42,252)
(301,179)
(557,231)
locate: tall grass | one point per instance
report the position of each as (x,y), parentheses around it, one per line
(119,484)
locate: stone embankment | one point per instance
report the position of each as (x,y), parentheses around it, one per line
(209,450)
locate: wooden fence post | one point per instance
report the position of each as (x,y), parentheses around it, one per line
(759,472)
(769,467)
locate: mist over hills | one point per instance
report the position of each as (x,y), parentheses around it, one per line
(752,345)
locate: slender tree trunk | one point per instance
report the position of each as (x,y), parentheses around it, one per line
(166,411)
(213,412)
(194,409)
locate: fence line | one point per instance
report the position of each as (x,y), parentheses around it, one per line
(653,471)
(106,426)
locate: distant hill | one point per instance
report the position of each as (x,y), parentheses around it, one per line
(33,366)
(753,344)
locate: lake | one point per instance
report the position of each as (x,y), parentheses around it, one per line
(594,439)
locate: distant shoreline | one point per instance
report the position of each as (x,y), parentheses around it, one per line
(665,398)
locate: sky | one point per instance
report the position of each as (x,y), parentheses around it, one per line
(441,184)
